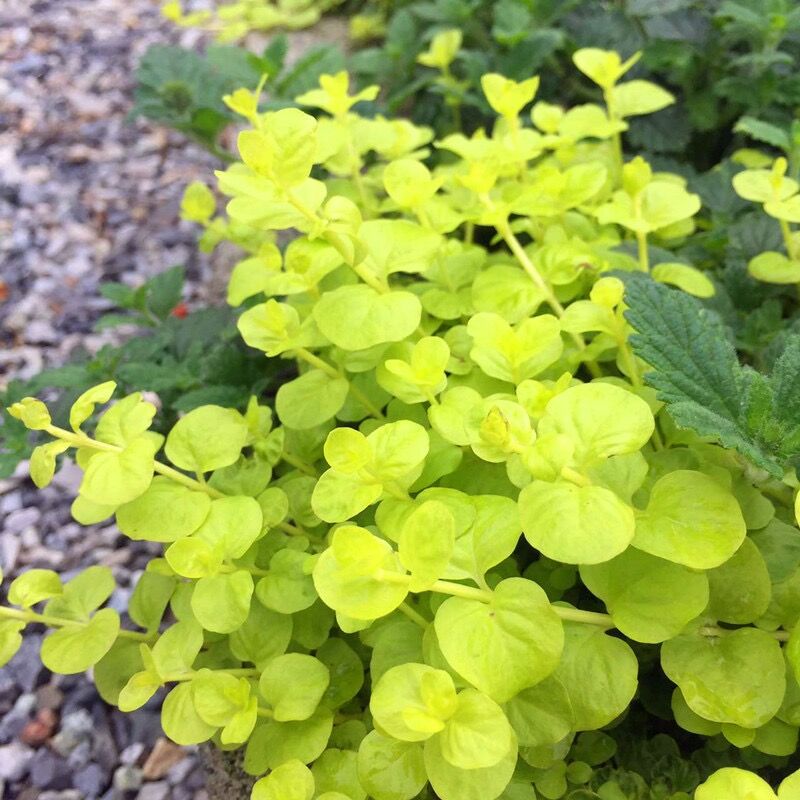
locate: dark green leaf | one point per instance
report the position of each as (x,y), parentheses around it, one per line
(696,369)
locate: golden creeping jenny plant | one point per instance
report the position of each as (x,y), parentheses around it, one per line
(374,583)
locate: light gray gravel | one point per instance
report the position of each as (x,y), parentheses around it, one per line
(85,196)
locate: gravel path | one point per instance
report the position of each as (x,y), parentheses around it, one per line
(85,196)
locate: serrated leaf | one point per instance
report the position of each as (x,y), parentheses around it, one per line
(696,369)
(764,132)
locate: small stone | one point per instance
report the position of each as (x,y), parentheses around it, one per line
(154,791)
(90,780)
(180,772)
(67,794)
(132,753)
(49,696)
(8,693)
(14,761)
(26,666)
(104,751)
(146,726)
(38,331)
(69,477)
(127,778)
(16,719)
(49,771)
(10,546)
(12,501)
(76,727)
(40,728)
(164,756)
(80,756)
(76,701)
(17,521)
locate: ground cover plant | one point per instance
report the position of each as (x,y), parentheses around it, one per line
(471,554)
(186,356)
(729,63)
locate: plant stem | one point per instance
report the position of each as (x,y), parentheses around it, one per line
(182,677)
(644,254)
(292,530)
(298,463)
(330,370)
(788,243)
(25,615)
(371,280)
(565,613)
(715,632)
(573,476)
(82,440)
(413,615)
(517,249)
(587,617)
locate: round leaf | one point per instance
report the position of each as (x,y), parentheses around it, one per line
(599,673)
(575,524)
(207,438)
(503,646)
(74,649)
(389,769)
(412,702)
(313,398)
(690,520)
(221,603)
(731,783)
(738,678)
(454,783)
(293,684)
(344,575)
(649,599)
(358,317)
(741,589)
(166,512)
(290,781)
(601,419)
(478,734)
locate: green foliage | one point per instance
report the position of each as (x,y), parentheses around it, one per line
(187,358)
(472,536)
(697,372)
(201,94)
(730,63)
(235,19)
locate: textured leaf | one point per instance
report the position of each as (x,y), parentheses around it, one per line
(697,372)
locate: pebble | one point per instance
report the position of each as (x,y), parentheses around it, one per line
(18,717)
(154,791)
(49,771)
(10,547)
(127,778)
(17,521)
(90,780)
(86,196)
(14,760)
(164,756)
(76,727)
(132,753)
(49,696)
(40,728)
